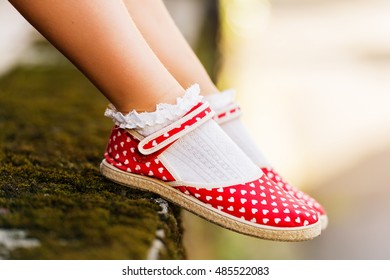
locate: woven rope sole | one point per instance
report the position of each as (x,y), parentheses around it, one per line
(207,212)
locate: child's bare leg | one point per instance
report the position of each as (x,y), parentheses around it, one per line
(166,40)
(100,38)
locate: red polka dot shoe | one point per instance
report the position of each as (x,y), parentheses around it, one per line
(295,192)
(170,162)
(230,113)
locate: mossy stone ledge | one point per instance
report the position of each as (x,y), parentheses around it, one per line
(54,204)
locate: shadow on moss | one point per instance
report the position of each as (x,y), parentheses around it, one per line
(53,134)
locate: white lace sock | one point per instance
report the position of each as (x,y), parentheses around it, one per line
(236,130)
(204,155)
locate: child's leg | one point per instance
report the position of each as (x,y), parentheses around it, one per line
(100,38)
(166,40)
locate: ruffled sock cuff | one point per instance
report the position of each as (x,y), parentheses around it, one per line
(220,100)
(147,123)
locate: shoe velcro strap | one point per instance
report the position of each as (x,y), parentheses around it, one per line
(232,111)
(197,116)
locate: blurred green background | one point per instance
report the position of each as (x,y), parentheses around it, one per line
(314,74)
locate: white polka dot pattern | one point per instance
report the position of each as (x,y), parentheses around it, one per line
(122,152)
(293,191)
(260,201)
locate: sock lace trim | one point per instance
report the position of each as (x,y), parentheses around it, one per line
(219,101)
(164,113)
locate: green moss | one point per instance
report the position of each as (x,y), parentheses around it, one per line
(53,135)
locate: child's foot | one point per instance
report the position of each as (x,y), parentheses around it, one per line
(181,154)
(227,116)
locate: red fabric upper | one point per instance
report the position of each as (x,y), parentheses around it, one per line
(275,177)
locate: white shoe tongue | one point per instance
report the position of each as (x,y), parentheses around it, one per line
(208,156)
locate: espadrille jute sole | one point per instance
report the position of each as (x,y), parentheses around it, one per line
(207,212)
